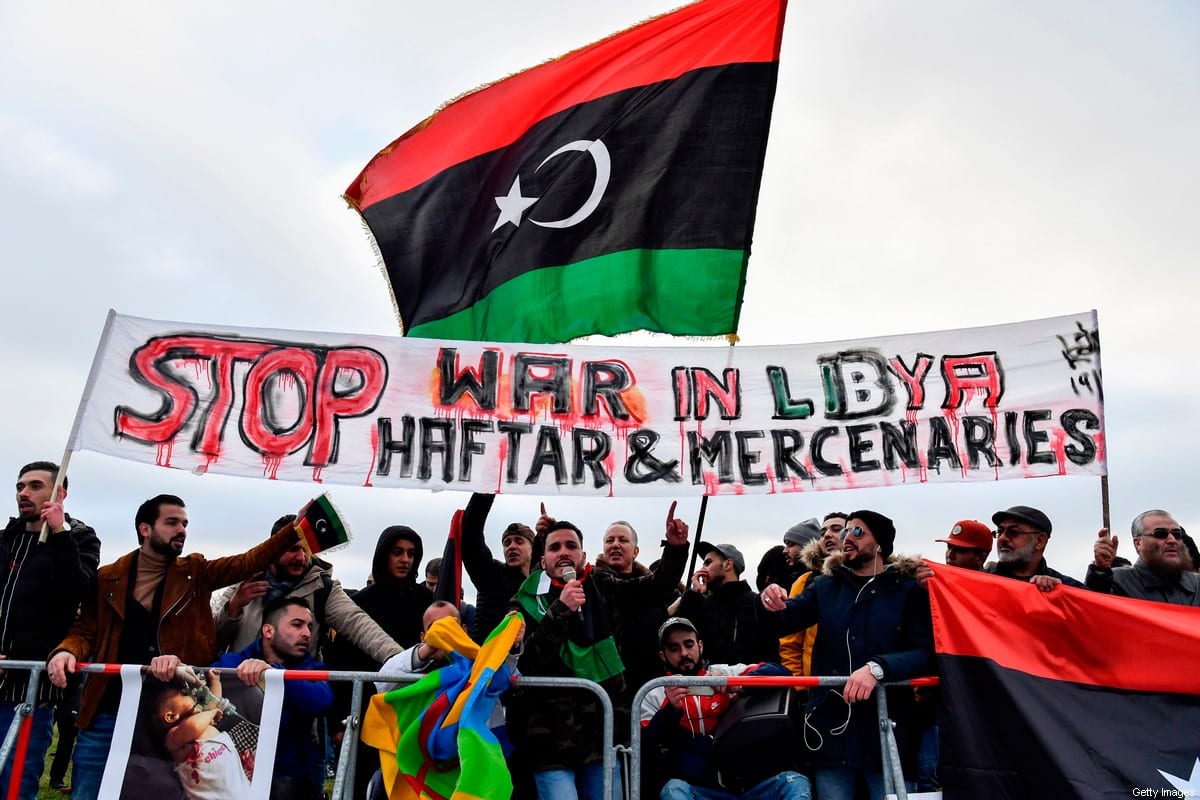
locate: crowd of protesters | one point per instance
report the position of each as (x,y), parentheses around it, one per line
(833,599)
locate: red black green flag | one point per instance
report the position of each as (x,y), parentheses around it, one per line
(612,189)
(321,527)
(1063,694)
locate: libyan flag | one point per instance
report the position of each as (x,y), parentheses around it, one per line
(609,190)
(1064,694)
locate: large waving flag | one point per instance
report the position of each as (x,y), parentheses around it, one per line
(612,189)
(432,735)
(1064,694)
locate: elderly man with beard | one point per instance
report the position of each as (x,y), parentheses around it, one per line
(1022,533)
(569,632)
(1160,573)
(678,724)
(874,626)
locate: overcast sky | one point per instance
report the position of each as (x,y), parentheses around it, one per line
(931,165)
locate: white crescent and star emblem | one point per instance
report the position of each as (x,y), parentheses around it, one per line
(513,205)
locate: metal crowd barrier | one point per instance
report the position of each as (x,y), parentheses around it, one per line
(893,774)
(344,776)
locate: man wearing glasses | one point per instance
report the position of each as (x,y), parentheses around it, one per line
(1160,573)
(1021,535)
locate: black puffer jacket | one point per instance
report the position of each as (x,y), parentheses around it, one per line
(727,619)
(42,586)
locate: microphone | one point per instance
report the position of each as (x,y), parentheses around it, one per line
(568,575)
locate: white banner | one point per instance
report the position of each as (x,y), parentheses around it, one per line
(978,404)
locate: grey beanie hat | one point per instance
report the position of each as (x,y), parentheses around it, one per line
(803,532)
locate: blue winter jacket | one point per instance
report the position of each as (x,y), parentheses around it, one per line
(297,753)
(884,619)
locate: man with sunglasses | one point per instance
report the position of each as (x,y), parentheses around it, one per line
(1022,534)
(1160,572)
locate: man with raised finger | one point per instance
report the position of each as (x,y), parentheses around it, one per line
(1160,572)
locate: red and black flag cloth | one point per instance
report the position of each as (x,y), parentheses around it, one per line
(609,190)
(449,586)
(1063,694)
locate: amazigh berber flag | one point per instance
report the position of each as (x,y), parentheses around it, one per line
(1063,694)
(609,190)
(432,735)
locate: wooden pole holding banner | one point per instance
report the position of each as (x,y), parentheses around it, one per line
(58,482)
(1104,503)
(93,375)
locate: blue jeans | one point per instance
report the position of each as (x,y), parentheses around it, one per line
(40,734)
(784,786)
(927,760)
(91,755)
(839,783)
(586,783)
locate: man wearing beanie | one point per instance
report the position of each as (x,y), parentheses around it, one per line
(795,539)
(495,581)
(795,649)
(873,626)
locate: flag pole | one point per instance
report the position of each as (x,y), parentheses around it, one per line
(696,540)
(73,439)
(733,340)
(1104,507)
(1104,502)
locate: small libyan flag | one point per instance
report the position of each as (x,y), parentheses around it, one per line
(321,527)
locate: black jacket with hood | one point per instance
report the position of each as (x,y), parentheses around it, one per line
(397,604)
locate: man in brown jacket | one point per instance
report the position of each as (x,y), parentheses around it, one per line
(150,607)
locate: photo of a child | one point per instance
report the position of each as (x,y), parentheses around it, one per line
(206,760)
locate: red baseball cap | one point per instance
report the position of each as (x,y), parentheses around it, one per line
(970,533)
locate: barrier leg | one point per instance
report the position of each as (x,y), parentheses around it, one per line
(345,771)
(893,771)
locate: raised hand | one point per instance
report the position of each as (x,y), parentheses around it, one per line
(1104,550)
(677,529)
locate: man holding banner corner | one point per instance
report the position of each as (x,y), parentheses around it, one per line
(43,586)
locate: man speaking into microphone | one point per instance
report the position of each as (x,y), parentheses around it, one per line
(572,630)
